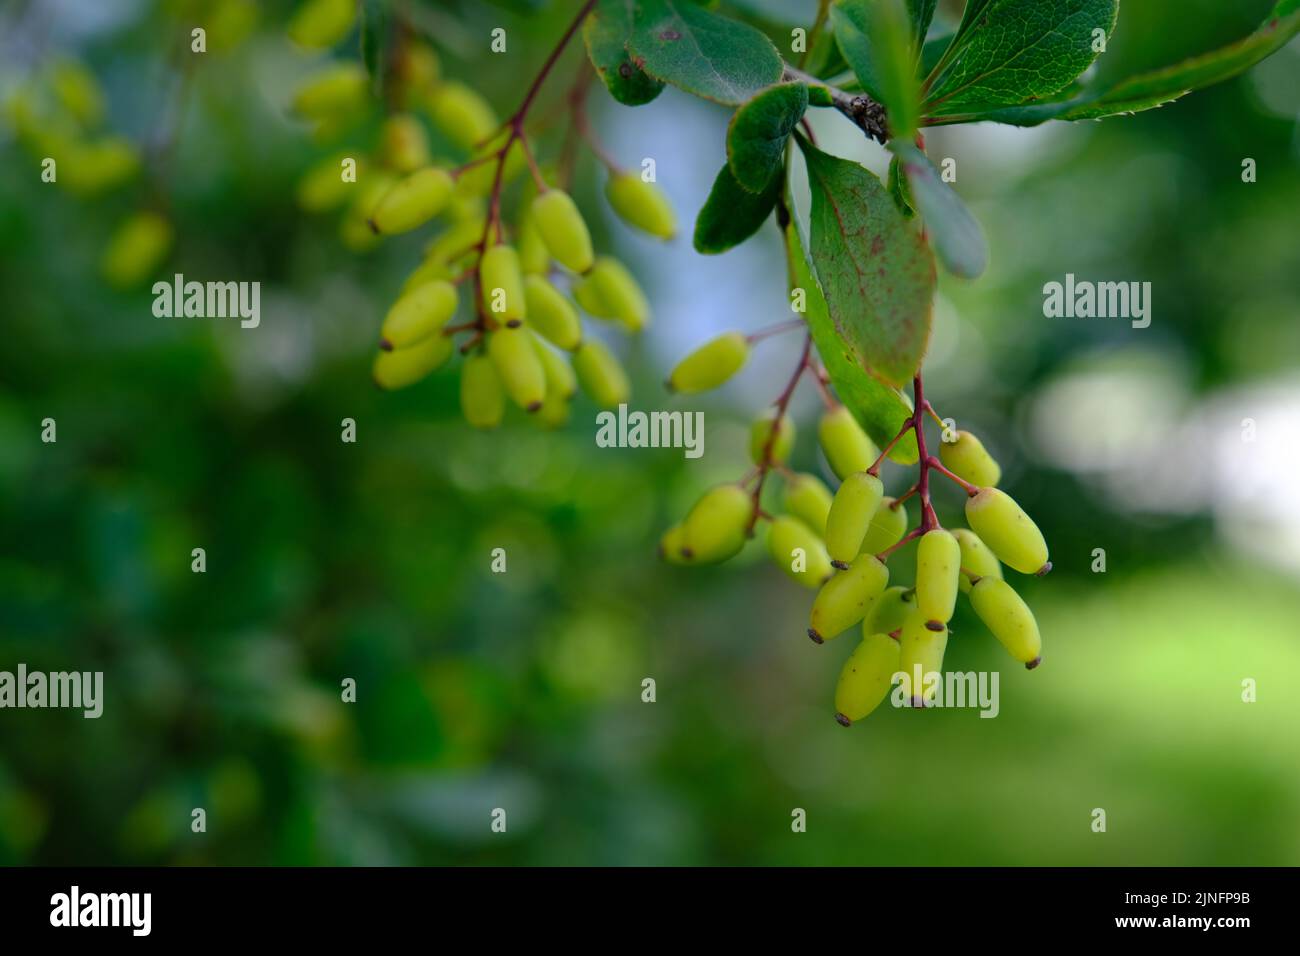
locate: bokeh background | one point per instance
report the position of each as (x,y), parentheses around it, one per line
(328,560)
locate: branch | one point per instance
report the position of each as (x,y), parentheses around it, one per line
(864,112)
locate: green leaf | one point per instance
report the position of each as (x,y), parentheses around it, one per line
(759,132)
(702,53)
(876,271)
(851,23)
(732,214)
(879,409)
(877,38)
(955,234)
(933,52)
(920,12)
(899,190)
(606,34)
(1007,52)
(1145,89)
(1155,87)
(376,37)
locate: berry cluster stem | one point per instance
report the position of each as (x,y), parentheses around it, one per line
(782,403)
(515,131)
(929,520)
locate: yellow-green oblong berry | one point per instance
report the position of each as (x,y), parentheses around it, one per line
(323,187)
(342,88)
(921,656)
(710,365)
(551,314)
(619,293)
(516,361)
(600,374)
(463,115)
(534,258)
(845,444)
(560,380)
(78,92)
(781,446)
(456,241)
(403,144)
(354,228)
(967,458)
(808,499)
(430,270)
(855,504)
(482,397)
(641,204)
(888,525)
(93,168)
(938,566)
(717,525)
(1008,531)
(866,677)
(1005,614)
(318,24)
(503,285)
(845,599)
(136,248)
(798,551)
(670,545)
(418,314)
(554,412)
(413,201)
(889,610)
(403,367)
(588,296)
(563,229)
(975,557)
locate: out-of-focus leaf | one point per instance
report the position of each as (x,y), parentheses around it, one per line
(732,213)
(606,34)
(955,234)
(705,54)
(875,270)
(376,35)
(896,183)
(759,132)
(877,38)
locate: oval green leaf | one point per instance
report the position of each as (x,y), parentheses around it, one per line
(606,34)
(1007,52)
(955,234)
(876,272)
(879,409)
(707,55)
(759,132)
(732,214)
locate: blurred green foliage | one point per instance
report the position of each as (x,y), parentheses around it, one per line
(370,561)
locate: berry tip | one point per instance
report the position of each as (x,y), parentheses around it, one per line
(816,638)
(843,721)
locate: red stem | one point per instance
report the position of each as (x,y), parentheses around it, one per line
(929,520)
(782,402)
(967,487)
(907,427)
(516,126)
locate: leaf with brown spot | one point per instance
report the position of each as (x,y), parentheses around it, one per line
(875,269)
